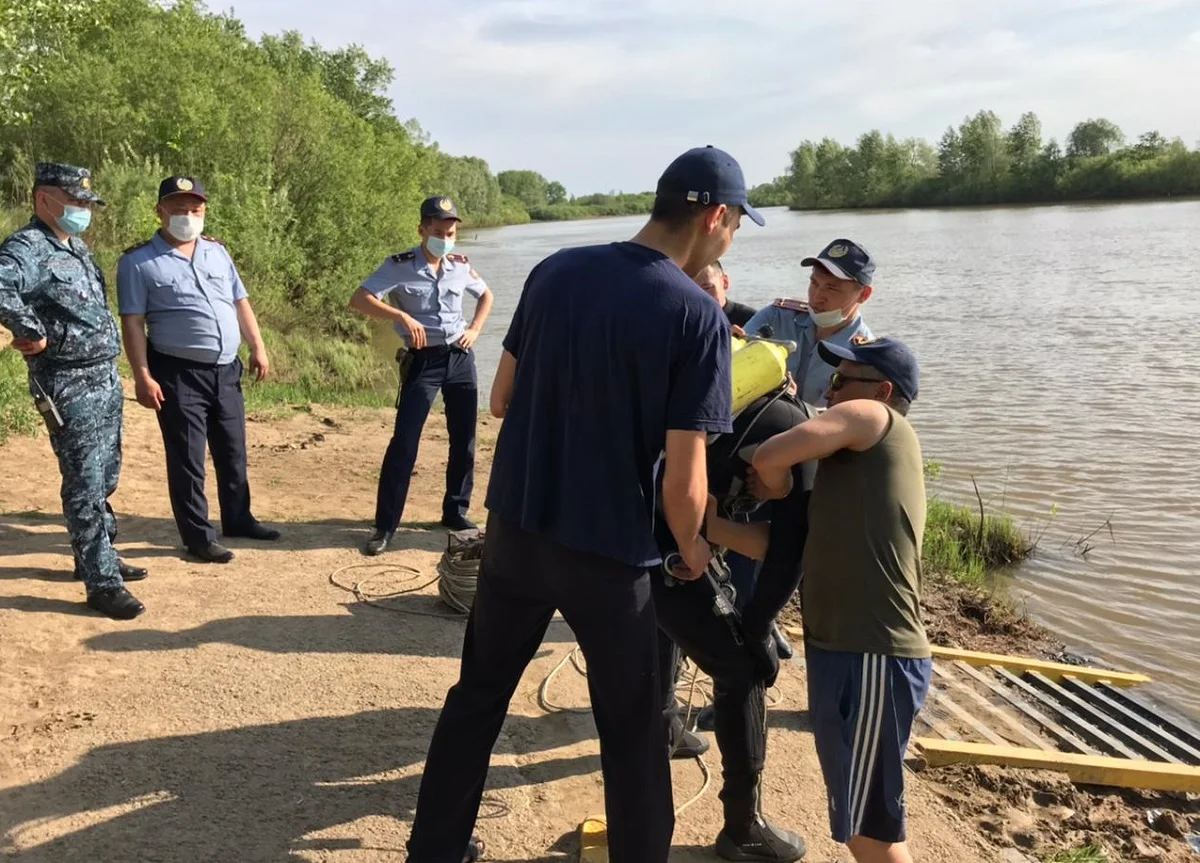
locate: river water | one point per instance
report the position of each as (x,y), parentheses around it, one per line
(1060,368)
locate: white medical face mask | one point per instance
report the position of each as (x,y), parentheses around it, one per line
(824,320)
(185,228)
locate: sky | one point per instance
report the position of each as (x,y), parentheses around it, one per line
(602,94)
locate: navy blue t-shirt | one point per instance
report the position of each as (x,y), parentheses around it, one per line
(614,346)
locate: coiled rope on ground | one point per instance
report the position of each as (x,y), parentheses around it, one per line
(457,576)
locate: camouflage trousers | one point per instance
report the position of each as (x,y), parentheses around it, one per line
(88,447)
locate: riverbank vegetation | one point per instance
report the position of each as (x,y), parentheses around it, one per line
(313,176)
(982,162)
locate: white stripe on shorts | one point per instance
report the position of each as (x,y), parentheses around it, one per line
(866,736)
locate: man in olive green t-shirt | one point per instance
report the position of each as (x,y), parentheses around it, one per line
(868,659)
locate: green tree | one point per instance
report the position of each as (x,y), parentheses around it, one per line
(984,157)
(1093,138)
(1150,145)
(1025,142)
(529,187)
(556,193)
(470,183)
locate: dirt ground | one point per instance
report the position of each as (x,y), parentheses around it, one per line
(256,712)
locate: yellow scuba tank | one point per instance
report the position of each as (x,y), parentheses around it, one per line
(738,343)
(758,367)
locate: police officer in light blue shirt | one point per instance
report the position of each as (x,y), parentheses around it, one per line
(839,285)
(424,289)
(184,313)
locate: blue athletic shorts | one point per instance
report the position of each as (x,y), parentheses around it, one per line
(862,708)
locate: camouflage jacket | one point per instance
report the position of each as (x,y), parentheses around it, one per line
(54,290)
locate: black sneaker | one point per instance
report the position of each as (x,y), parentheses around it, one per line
(458,522)
(214,552)
(762,841)
(117,603)
(378,543)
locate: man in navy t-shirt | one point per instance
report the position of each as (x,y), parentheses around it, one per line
(615,366)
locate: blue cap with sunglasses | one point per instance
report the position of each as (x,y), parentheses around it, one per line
(890,357)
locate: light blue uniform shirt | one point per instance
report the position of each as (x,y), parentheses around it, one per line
(188,302)
(435,300)
(812,373)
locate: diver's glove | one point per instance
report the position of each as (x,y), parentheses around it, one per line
(763,651)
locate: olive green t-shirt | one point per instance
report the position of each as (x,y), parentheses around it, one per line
(862,562)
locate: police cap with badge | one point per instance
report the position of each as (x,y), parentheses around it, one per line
(179,185)
(439,207)
(846,260)
(75,181)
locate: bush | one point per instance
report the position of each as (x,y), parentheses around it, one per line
(956,546)
(17,415)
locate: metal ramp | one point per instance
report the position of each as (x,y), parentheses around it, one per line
(993,709)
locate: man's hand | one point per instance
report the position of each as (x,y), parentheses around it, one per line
(468,339)
(260,366)
(696,555)
(416,332)
(791,385)
(28,348)
(768,487)
(738,331)
(765,654)
(149,393)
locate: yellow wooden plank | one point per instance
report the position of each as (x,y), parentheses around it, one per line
(1054,670)
(1084,769)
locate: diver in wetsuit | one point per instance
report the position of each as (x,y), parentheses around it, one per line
(737,650)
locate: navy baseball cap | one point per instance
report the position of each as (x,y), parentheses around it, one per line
(76,182)
(891,358)
(708,176)
(178,185)
(846,259)
(439,207)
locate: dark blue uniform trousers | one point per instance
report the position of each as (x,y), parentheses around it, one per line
(523,578)
(451,371)
(203,404)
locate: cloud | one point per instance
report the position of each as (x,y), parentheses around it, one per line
(600,94)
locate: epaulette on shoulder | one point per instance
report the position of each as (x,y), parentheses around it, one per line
(400,258)
(212,239)
(135,247)
(457,258)
(790,304)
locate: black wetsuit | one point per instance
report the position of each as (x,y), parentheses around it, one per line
(740,673)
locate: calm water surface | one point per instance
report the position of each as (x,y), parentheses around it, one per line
(1060,365)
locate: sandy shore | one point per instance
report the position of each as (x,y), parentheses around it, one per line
(256,712)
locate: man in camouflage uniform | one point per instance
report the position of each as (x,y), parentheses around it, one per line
(52,299)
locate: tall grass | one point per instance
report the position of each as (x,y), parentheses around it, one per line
(959,547)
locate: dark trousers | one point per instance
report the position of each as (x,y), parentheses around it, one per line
(452,372)
(685,615)
(203,405)
(523,578)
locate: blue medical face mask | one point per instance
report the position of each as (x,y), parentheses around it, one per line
(439,247)
(74,220)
